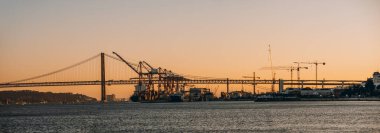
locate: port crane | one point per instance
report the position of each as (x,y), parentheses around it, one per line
(144,70)
(147,71)
(139,71)
(316,63)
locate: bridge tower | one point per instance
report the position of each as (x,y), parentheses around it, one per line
(103,78)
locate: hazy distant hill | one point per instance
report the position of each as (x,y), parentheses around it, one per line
(28,97)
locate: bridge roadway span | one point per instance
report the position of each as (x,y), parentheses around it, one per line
(218,81)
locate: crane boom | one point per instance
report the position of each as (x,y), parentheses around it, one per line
(288,68)
(316,63)
(152,69)
(282,68)
(323,63)
(148,65)
(126,62)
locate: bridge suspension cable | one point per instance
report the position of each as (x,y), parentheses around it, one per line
(57,71)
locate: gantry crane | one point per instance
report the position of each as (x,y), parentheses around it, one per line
(148,73)
(141,92)
(316,63)
(137,69)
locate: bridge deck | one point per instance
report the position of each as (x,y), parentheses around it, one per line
(126,82)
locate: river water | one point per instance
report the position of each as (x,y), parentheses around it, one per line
(244,116)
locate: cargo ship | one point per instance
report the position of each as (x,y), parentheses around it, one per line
(139,93)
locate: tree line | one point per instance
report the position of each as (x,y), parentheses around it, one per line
(34,97)
(368,90)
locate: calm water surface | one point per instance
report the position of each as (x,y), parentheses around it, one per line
(331,116)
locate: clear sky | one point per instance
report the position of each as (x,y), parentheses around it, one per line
(215,38)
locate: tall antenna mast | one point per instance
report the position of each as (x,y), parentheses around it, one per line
(271,67)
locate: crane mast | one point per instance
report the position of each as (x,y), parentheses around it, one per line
(254,77)
(139,70)
(145,70)
(288,68)
(271,65)
(316,63)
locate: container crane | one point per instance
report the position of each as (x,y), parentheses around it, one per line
(147,71)
(137,69)
(140,92)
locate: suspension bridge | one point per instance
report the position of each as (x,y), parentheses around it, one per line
(104,69)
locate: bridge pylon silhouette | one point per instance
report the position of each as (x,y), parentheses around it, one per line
(103,77)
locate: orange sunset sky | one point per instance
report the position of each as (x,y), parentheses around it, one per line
(213,38)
